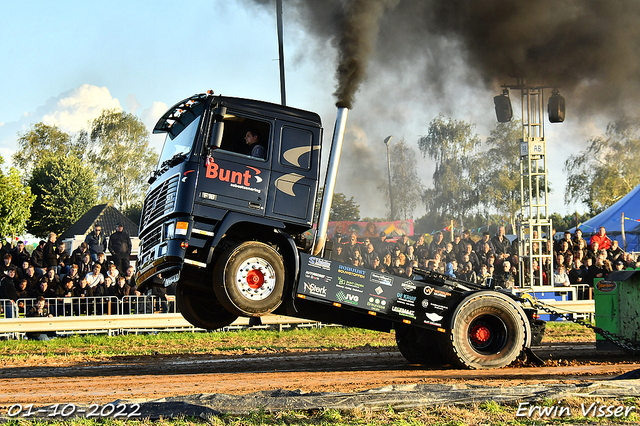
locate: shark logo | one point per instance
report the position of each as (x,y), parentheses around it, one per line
(293,155)
(285,183)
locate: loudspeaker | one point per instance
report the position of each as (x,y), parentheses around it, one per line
(556,108)
(504,112)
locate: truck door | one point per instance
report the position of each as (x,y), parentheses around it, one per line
(294,173)
(230,177)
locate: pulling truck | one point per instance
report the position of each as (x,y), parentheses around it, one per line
(228,230)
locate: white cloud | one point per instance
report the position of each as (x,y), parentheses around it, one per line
(77,107)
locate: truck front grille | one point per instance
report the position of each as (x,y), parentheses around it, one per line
(160,201)
(151,239)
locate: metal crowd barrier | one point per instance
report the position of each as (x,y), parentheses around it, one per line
(109,315)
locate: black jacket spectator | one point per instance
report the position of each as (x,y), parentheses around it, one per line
(96,242)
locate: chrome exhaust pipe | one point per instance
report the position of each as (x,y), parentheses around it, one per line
(330,180)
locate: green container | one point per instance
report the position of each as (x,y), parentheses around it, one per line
(617,301)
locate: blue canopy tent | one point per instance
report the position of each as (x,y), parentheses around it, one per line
(611,219)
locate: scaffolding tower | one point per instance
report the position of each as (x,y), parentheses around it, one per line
(534,228)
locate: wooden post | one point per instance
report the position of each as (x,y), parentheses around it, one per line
(624,239)
(452,230)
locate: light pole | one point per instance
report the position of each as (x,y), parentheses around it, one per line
(387,142)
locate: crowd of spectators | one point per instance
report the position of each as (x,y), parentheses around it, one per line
(51,272)
(570,259)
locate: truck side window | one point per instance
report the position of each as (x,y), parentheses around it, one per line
(296,148)
(246,136)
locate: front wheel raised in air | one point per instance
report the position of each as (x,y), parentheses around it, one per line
(202,309)
(249,279)
(487,331)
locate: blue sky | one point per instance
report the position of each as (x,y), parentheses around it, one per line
(64,61)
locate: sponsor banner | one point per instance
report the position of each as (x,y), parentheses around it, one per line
(371,291)
(393,229)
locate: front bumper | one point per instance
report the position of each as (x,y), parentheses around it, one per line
(162,251)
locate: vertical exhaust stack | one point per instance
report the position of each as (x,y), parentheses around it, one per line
(330,180)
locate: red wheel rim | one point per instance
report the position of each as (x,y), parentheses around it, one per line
(480,334)
(255,279)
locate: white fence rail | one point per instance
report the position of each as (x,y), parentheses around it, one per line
(111,315)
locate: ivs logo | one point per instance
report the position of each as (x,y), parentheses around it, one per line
(239,178)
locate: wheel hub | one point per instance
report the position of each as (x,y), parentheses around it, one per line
(480,334)
(256,278)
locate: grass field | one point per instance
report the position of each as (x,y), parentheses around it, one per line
(246,341)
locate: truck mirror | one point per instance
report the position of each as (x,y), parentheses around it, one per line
(218,127)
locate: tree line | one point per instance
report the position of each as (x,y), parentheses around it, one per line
(476,183)
(56,177)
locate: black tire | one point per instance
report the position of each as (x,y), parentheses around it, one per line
(487,331)
(249,279)
(419,346)
(202,309)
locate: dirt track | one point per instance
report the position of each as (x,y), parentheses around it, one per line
(162,376)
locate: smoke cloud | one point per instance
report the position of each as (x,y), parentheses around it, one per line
(589,49)
(400,63)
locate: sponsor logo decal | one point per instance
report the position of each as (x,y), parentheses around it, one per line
(236,179)
(343,297)
(318,262)
(314,289)
(433,317)
(316,276)
(376,304)
(606,286)
(351,271)
(378,290)
(425,303)
(408,286)
(379,278)
(428,291)
(404,312)
(342,283)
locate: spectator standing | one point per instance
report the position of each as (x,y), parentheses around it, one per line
(76,255)
(102,263)
(63,259)
(8,291)
(501,244)
(20,254)
(96,242)
(120,248)
(615,253)
(437,243)
(50,257)
(37,258)
(485,240)
(601,238)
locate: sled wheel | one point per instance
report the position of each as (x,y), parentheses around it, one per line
(487,331)
(201,309)
(419,345)
(249,279)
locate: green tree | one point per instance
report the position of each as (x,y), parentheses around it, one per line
(42,140)
(65,190)
(121,156)
(15,203)
(341,207)
(406,185)
(498,170)
(451,144)
(608,169)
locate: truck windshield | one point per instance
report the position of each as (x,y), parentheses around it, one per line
(180,145)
